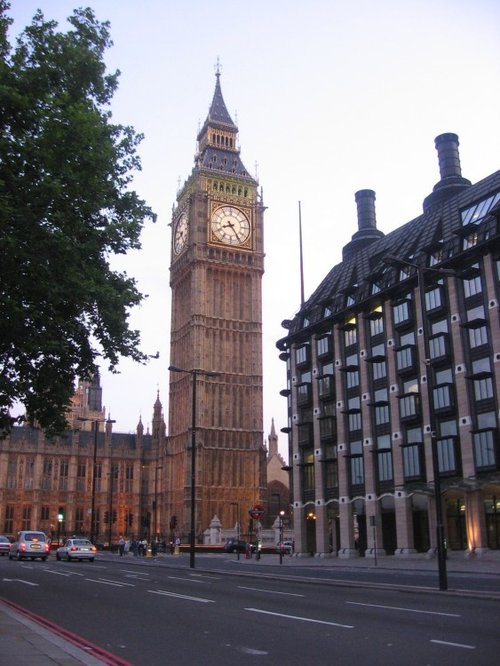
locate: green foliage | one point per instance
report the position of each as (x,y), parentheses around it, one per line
(65,207)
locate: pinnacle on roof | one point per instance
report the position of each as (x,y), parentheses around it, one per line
(218,113)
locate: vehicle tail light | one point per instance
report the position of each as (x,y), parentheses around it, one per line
(23,547)
(73,548)
(93,549)
(47,547)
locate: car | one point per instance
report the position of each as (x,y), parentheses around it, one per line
(235,546)
(76,548)
(286,548)
(4,545)
(30,543)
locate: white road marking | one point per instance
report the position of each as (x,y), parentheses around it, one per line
(115,583)
(189,580)
(258,589)
(460,645)
(182,596)
(301,619)
(19,580)
(134,572)
(399,608)
(57,573)
(118,582)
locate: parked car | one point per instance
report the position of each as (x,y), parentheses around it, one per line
(76,549)
(286,548)
(235,546)
(4,545)
(30,543)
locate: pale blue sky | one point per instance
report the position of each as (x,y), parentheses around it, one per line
(330,97)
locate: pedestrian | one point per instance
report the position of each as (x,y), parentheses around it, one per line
(121,546)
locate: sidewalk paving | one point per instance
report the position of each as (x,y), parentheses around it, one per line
(22,637)
(24,641)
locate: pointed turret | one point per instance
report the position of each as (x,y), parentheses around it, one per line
(218,115)
(218,139)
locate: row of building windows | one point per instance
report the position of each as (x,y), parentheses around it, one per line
(229,188)
(47,516)
(48,480)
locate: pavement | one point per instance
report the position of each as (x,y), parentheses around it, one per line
(26,637)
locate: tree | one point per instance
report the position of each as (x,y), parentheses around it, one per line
(66,207)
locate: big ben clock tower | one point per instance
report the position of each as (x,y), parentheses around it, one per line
(217,263)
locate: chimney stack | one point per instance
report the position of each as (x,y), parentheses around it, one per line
(451,182)
(367,232)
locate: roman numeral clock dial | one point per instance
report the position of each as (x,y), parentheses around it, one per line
(230,225)
(181,233)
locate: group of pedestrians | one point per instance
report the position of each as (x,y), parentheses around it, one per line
(139,547)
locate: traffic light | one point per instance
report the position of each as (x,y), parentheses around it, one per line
(173,522)
(106,517)
(113,516)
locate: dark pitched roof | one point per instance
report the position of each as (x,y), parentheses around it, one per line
(439,225)
(218,115)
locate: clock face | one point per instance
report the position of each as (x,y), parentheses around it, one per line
(180,233)
(230,225)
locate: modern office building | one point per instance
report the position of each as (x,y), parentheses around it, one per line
(393,381)
(216,387)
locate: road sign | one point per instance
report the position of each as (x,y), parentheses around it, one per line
(256,512)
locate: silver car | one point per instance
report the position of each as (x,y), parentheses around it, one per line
(76,548)
(4,545)
(30,543)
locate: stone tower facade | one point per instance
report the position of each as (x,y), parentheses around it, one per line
(217,263)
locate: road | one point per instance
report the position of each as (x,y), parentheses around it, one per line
(155,614)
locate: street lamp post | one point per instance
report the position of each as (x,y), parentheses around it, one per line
(238,531)
(157,469)
(282,546)
(194,374)
(95,424)
(440,536)
(280,525)
(110,512)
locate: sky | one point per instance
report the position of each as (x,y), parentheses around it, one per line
(329,97)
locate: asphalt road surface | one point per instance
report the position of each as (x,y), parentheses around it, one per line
(156,615)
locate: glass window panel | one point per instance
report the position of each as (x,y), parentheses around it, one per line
(433,299)
(446,455)
(376,326)
(357,471)
(483,388)
(448,428)
(411,461)
(324,345)
(440,326)
(379,370)
(414,435)
(473,286)
(384,466)
(478,337)
(407,339)
(487,420)
(350,337)
(381,414)
(484,448)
